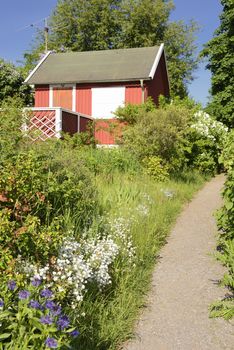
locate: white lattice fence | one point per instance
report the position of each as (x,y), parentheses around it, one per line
(42,124)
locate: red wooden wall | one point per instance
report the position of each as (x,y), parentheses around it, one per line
(42,96)
(159,85)
(84,100)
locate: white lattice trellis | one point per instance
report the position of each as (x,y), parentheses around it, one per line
(42,125)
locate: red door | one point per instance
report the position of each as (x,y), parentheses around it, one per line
(62,97)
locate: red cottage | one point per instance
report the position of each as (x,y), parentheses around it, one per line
(78,86)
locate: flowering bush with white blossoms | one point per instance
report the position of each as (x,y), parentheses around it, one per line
(210,128)
(81,263)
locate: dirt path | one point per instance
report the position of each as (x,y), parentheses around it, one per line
(185,283)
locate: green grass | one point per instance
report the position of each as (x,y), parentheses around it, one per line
(109,319)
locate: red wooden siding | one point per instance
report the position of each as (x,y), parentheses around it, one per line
(42,96)
(62,97)
(84,100)
(133,95)
(84,124)
(159,85)
(69,123)
(107,131)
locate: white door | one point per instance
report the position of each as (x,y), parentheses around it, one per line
(105,101)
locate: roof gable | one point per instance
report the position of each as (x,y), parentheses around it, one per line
(97,66)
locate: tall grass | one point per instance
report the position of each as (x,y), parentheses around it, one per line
(152,208)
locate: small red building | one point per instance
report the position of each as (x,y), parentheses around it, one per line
(93,84)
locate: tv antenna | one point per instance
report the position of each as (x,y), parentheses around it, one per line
(37,26)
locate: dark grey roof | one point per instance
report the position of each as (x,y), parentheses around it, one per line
(95,66)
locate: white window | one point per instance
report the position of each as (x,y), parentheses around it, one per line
(105,101)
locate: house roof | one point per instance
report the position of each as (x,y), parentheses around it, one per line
(97,66)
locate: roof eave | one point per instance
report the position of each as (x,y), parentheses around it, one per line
(36,68)
(156,61)
(89,81)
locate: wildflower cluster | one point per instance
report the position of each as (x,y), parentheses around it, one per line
(77,264)
(121,234)
(35,310)
(168,193)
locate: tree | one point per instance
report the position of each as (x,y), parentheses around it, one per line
(78,25)
(220,53)
(11,83)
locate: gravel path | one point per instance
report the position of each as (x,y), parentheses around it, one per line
(185,283)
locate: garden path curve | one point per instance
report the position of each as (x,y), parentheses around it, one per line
(185,283)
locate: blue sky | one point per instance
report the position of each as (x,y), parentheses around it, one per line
(16,37)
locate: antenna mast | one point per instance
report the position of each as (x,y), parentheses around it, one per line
(46,33)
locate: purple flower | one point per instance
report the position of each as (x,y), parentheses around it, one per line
(24,294)
(46,293)
(1,303)
(11,285)
(49,304)
(36,282)
(74,333)
(34,304)
(63,322)
(46,319)
(56,310)
(51,343)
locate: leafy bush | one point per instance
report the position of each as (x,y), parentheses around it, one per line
(159,133)
(225,220)
(131,113)
(155,168)
(11,120)
(11,83)
(37,192)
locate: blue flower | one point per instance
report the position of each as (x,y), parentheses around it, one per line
(24,294)
(46,319)
(34,304)
(11,285)
(56,310)
(36,282)
(49,304)
(46,293)
(74,333)
(1,303)
(63,322)
(51,343)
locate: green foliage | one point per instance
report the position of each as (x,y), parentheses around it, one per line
(225,220)
(111,24)
(220,54)
(11,84)
(131,113)
(108,162)
(21,327)
(12,118)
(179,132)
(159,133)
(154,167)
(205,142)
(227,156)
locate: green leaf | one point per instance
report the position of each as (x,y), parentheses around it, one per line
(5,336)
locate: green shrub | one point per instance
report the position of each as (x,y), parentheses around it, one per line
(227,156)
(225,220)
(159,133)
(204,143)
(131,113)
(155,168)
(11,121)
